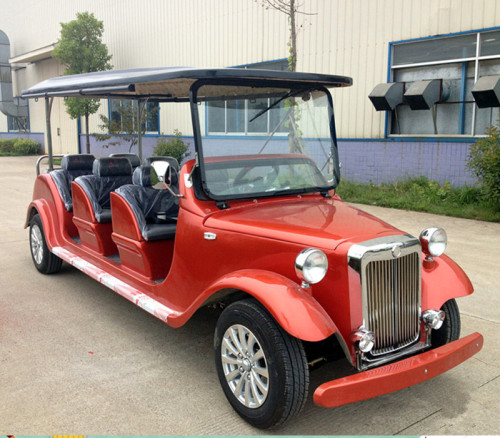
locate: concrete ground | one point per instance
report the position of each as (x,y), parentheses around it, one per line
(75,358)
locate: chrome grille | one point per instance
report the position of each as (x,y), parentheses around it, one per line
(391,296)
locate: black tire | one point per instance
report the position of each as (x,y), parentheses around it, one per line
(284,359)
(450,330)
(43,259)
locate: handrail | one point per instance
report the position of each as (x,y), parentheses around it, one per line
(41,158)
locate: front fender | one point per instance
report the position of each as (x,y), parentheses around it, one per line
(442,281)
(297,312)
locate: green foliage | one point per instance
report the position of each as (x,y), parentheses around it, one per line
(80,47)
(81,50)
(19,146)
(7,145)
(172,147)
(77,107)
(422,194)
(484,161)
(124,125)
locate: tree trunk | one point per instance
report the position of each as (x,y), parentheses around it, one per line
(293,37)
(87,133)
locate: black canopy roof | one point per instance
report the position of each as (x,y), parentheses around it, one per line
(168,83)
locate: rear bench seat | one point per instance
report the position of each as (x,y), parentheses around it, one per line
(72,166)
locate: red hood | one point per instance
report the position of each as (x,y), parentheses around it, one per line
(316,222)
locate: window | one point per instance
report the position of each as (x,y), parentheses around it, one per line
(458,60)
(124,114)
(236,117)
(18,124)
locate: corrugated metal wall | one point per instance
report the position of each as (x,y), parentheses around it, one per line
(348,37)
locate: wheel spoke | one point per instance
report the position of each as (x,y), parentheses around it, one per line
(242,338)
(230,376)
(257,395)
(258,355)
(259,382)
(235,340)
(262,371)
(247,391)
(230,347)
(230,360)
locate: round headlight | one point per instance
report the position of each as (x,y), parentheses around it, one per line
(433,241)
(311,265)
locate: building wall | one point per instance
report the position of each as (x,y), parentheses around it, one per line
(346,37)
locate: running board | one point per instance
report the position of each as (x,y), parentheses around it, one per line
(140,299)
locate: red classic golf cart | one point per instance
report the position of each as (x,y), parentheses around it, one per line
(253,224)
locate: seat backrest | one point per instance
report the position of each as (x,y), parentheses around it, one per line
(72,166)
(147,202)
(107,175)
(134,159)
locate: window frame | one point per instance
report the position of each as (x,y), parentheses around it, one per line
(245,133)
(134,102)
(391,68)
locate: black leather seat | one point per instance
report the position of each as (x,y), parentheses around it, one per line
(72,166)
(134,159)
(107,175)
(155,210)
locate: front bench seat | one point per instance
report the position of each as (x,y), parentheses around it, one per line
(134,159)
(72,166)
(145,242)
(147,203)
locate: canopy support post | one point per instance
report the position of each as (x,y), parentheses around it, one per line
(139,128)
(48,109)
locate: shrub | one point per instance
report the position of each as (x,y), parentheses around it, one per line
(484,161)
(26,147)
(7,145)
(172,147)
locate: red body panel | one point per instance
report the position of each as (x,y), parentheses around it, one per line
(256,236)
(398,375)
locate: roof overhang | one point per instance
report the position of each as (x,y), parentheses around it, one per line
(170,83)
(34,56)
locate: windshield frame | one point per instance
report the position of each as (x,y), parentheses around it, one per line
(292,86)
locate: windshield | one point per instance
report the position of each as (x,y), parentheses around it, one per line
(265,141)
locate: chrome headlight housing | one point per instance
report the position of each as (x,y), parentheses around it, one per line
(433,241)
(311,265)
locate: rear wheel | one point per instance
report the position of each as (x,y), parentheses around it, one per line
(262,369)
(450,330)
(44,260)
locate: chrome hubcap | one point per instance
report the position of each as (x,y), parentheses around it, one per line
(37,244)
(245,366)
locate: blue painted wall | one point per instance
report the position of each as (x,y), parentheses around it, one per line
(363,160)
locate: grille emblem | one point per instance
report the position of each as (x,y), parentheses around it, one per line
(396,251)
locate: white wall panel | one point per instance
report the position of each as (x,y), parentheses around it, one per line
(347,37)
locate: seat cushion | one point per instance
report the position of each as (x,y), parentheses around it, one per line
(159,231)
(103,216)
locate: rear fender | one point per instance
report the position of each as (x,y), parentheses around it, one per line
(49,220)
(297,312)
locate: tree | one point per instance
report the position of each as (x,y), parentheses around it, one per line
(123,123)
(484,161)
(81,50)
(291,9)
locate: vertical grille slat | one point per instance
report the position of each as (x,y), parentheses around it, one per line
(393,301)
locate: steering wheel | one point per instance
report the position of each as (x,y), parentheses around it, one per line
(264,181)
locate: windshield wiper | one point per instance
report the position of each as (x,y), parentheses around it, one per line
(281,99)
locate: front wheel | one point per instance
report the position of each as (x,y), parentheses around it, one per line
(450,330)
(262,369)
(43,259)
